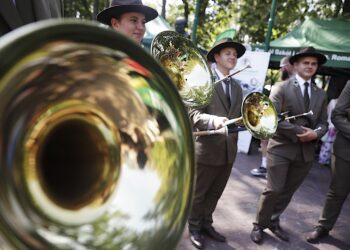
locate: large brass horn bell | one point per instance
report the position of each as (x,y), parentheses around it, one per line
(96,147)
(186,66)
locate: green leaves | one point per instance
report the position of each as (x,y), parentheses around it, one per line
(249,17)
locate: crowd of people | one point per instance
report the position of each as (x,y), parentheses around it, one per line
(286,158)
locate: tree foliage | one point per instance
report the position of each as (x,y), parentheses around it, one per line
(249,17)
(85,9)
(288,14)
(214,17)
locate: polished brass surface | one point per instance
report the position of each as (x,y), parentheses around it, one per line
(186,66)
(96,147)
(259,115)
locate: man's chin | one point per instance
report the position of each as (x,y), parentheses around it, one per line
(137,39)
(232,66)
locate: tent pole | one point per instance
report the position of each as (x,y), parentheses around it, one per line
(271,21)
(195,23)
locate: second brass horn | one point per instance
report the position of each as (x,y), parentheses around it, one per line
(259,117)
(96,149)
(186,66)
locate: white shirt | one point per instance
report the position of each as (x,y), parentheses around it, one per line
(223,84)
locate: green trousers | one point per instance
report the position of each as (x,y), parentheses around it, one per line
(338,191)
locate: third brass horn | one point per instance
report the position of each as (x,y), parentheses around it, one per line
(259,117)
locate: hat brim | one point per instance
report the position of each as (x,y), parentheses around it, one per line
(239,48)
(320,58)
(106,15)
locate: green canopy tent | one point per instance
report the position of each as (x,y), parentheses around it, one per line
(330,37)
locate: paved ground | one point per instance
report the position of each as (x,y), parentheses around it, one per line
(237,207)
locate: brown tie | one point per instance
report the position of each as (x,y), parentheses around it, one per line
(306,95)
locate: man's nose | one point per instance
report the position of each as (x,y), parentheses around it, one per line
(141,25)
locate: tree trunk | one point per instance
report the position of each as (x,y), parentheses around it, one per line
(163,9)
(86,6)
(95,9)
(68,7)
(203,7)
(186,9)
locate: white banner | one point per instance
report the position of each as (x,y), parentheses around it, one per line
(252,80)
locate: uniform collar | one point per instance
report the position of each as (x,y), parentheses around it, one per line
(301,81)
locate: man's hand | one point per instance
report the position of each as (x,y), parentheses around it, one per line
(307,135)
(219,122)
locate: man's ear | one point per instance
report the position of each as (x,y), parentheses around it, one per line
(114,22)
(216,55)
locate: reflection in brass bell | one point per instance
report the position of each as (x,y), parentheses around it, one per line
(186,66)
(96,147)
(259,115)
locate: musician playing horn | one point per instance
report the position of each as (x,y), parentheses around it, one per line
(215,154)
(290,152)
(128,17)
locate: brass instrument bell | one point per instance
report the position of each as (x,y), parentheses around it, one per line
(186,66)
(259,115)
(96,146)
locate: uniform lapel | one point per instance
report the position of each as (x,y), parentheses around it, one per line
(313,97)
(10,14)
(297,92)
(233,94)
(219,89)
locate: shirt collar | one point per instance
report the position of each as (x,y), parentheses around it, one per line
(218,73)
(301,81)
